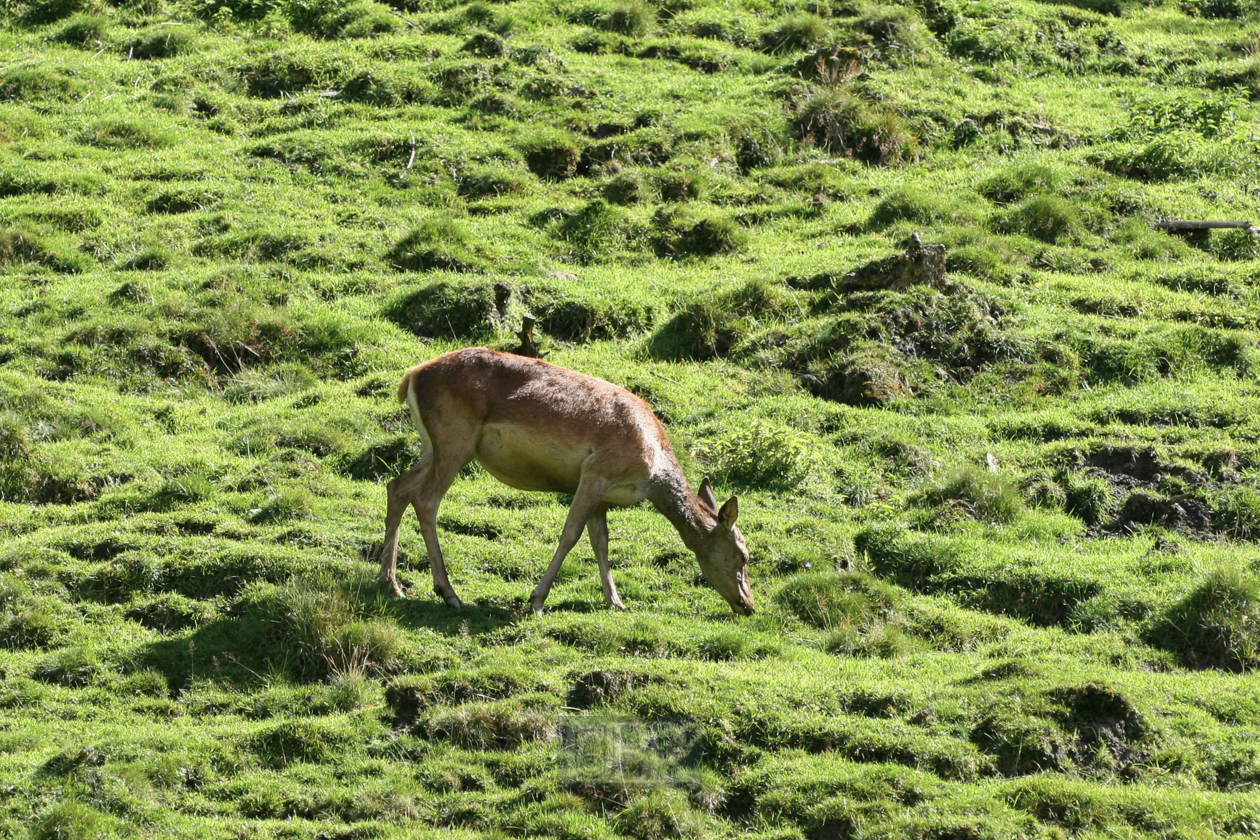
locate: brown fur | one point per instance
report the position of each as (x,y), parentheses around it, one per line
(537,426)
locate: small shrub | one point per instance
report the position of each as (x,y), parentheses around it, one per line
(1164,158)
(485,45)
(15,442)
(44,12)
(18,246)
(569,318)
(988,41)
(552,156)
(1236,512)
(628,187)
(839,600)
(1142,243)
(921,207)
(758,456)
(837,120)
(322,627)
(1224,9)
(659,814)
(1021,182)
(979,262)
(491,726)
(680,235)
(32,625)
(1217,625)
(295,741)
(339,19)
(869,374)
(83,30)
(1091,497)
(34,83)
(711,327)
(492,182)
(180,201)
(259,385)
(757,144)
(382,460)
(596,232)
(632,17)
(682,183)
(170,612)
(150,259)
(159,42)
(448,310)
(797,32)
(122,134)
(436,245)
(364,647)
(1048,218)
(1236,246)
(724,646)
(69,820)
(909,560)
(285,505)
(185,489)
(977,492)
(882,641)
(349,690)
(898,34)
(73,667)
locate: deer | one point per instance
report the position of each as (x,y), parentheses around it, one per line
(536,426)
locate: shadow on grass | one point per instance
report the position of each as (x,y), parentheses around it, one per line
(229,650)
(250,649)
(469,620)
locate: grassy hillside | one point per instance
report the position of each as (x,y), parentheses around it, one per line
(1002,527)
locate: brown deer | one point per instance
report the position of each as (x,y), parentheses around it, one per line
(537,426)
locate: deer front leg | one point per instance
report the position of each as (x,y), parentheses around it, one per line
(427,514)
(597,530)
(590,494)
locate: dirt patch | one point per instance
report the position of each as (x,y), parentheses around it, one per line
(1154,491)
(1137,466)
(598,687)
(1105,724)
(1181,512)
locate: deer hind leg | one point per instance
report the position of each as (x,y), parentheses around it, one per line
(587,499)
(399,493)
(451,451)
(597,530)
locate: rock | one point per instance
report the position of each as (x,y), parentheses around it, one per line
(918,265)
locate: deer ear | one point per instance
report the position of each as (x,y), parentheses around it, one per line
(729,513)
(706,495)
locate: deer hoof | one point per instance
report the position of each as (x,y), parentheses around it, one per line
(617,605)
(454,603)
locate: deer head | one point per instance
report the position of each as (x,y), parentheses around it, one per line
(722,554)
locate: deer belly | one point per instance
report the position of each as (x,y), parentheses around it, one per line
(529,461)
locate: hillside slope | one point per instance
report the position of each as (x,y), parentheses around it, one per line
(1002,525)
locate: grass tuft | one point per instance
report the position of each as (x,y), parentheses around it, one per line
(436,245)
(1217,625)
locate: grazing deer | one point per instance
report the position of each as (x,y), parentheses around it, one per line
(536,426)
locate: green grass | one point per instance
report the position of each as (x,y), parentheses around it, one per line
(1002,528)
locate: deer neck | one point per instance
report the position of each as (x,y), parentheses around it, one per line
(672,496)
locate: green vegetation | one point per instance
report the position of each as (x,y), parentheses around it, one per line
(1002,524)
